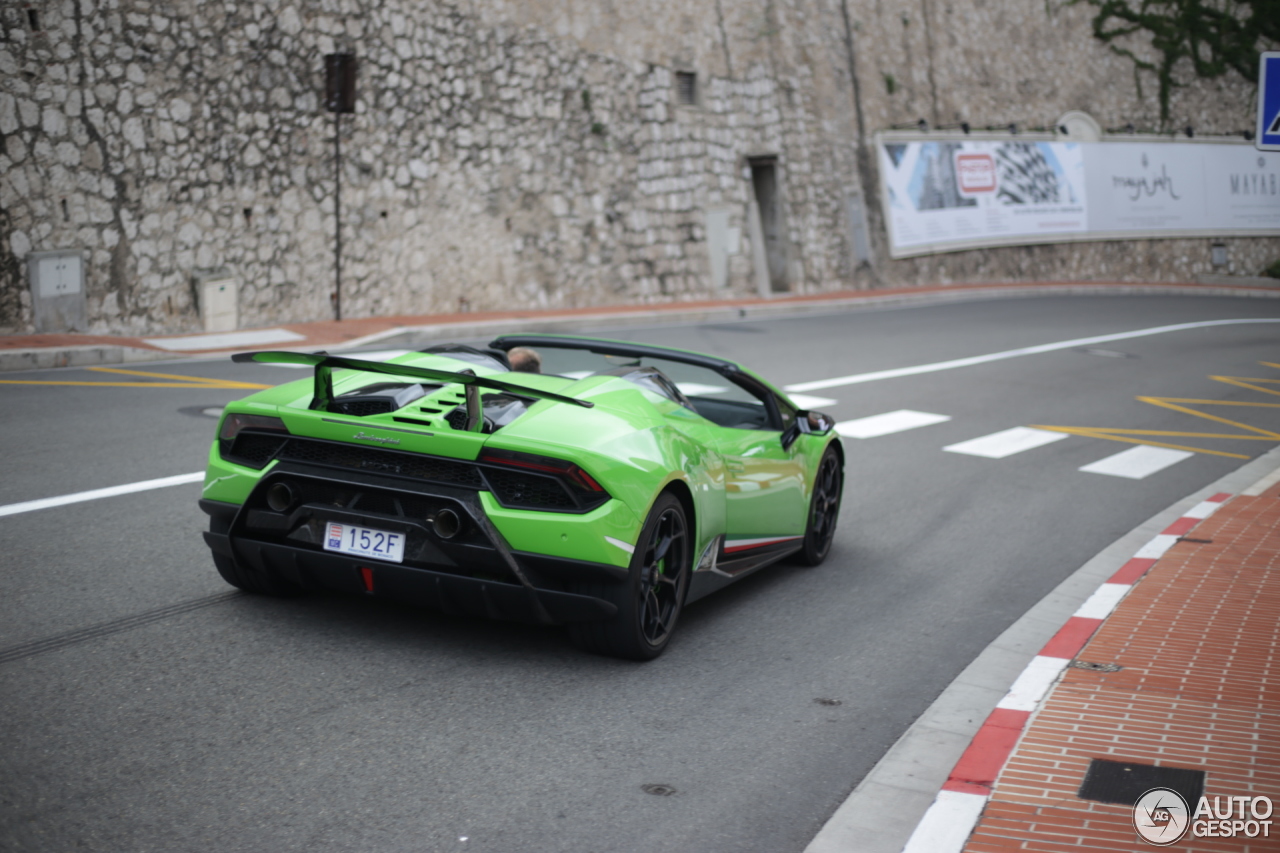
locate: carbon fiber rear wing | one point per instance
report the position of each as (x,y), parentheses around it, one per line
(325,364)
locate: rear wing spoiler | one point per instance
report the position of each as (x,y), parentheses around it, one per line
(325,364)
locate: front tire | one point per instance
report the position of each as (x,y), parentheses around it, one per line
(650,600)
(824,509)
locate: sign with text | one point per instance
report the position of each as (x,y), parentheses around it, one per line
(958,194)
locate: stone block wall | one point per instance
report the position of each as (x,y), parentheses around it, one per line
(514,153)
(489,164)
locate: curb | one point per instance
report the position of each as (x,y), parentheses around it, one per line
(623,316)
(887,806)
(955,812)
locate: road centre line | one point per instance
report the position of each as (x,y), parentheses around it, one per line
(111,491)
(859,378)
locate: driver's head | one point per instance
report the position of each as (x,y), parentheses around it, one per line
(525,360)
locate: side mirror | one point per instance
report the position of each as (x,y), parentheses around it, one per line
(807,423)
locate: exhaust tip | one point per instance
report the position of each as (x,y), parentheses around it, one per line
(446,524)
(280,497)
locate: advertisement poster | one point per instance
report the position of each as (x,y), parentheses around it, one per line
(956,194)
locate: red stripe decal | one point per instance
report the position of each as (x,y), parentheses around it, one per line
(731,549)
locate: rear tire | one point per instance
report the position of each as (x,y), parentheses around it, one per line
(650,600)
(824,510)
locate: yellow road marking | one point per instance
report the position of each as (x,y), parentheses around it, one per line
(1181,405)
(185,381)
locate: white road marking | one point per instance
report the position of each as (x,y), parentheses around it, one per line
(859,378)
(1007,442)
(1137,462)
(1103,601)
(145,485)
(888,423)
(804,401)
(1033,683)
(224,340)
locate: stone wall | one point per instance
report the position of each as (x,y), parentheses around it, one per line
(513,154)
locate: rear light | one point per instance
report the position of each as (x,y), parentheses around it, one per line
(233,423)
(543,465)
(586,492)
(262,437)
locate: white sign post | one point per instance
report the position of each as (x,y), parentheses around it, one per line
(1268,135)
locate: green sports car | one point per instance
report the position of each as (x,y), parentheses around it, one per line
(602,485)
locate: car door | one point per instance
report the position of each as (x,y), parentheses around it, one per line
(764,482)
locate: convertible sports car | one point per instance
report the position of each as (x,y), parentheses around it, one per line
(603,493)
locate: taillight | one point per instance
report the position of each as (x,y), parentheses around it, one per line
(542,464)
(255,449)
(233,423)
(587,493)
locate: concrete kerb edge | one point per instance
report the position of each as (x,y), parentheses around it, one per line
(90,355)
(884,809)
(103,354)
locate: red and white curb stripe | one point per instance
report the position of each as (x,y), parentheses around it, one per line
(950,820)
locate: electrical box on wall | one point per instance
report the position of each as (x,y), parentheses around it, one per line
(217,295)
(57,290)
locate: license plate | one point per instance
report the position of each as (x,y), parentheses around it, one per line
(364,542)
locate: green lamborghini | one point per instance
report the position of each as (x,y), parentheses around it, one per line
(601,485)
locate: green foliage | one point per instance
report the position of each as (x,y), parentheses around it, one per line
(1216,36)
(890,84)
(1273,271)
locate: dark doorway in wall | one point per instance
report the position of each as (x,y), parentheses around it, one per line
(764,180)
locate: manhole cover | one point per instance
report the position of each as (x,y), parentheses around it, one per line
(1124,782)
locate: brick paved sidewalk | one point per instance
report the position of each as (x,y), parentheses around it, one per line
(1197,641)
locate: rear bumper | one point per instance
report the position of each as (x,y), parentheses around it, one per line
(448,593)
(475,572)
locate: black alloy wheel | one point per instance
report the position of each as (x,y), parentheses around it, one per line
(824,509)
(649,601)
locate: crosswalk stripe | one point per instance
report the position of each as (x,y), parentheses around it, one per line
(1137,462)
(888,423)
(1007,442)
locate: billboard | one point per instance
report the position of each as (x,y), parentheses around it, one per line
(950,194)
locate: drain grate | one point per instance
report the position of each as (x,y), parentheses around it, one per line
(1096,667)
(1124,782)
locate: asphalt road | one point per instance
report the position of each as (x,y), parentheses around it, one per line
(147,707)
